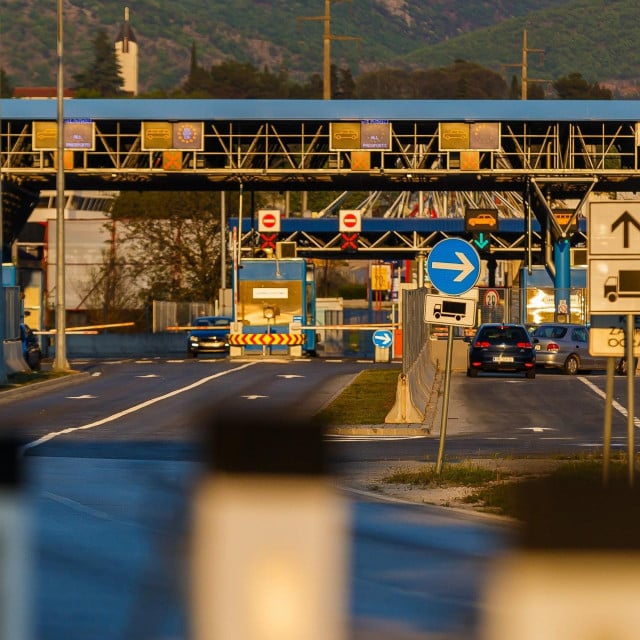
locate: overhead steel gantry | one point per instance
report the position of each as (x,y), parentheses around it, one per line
(529,155)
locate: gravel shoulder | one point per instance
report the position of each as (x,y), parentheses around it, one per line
(369,479)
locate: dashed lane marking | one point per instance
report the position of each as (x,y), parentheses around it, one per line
(147,403)
(615,404)
(368,438)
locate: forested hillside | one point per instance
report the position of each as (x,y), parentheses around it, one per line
(593,37)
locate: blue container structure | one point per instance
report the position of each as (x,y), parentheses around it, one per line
(272,294)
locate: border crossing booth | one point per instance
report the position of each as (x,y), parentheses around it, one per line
(276,297)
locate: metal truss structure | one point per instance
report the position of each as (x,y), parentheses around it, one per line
(521,157)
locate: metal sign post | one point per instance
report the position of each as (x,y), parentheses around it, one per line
(630,400)
(453,267)
(614,286)
(445,400)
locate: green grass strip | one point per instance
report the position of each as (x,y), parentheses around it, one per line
(367,400)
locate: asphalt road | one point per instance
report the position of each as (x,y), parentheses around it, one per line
(500,414)
(113,460)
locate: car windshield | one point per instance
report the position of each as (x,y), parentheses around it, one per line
(555,333)
(500,335)
(211,322)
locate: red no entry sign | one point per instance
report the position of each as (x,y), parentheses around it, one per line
(268,221)
(350,221)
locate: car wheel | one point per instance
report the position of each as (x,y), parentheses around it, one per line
(472,373)
(531,374)
(571,366)
(34,361)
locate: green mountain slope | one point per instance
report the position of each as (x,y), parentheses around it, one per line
(593,38)
(590,36)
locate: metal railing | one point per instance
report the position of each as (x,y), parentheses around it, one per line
(174,314)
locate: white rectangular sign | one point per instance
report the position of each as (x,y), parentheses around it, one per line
(614,286)
(614,229)
(270,293)
(450,310)
(611,342)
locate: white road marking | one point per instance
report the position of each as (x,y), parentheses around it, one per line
(96,374)
(254,397)
(86,396)
(615,404)
(149,375)
(288,376)
(537,429)
(137,407)
(342,438)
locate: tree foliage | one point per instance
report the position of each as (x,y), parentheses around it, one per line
(461,80)
(171,244)
(6,86)
(102,78)
(575,87)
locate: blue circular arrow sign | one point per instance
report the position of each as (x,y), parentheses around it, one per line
(382,338)
(453,266)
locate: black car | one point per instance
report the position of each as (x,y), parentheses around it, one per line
(30,348)
(210,336)
(501,347)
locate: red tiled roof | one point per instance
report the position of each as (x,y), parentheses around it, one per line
(40,92)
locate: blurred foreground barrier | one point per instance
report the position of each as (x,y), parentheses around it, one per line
(13,358)
(15,610)
(269,541)
(576,573)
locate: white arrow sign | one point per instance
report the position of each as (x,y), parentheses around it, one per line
(465,267)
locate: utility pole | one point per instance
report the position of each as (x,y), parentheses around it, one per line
(3,368)
(60,362)
(326,49)
(524,66)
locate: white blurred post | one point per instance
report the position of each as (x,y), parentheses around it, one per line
(15,612)
(575,570)
(269,553)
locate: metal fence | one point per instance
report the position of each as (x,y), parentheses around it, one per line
(12,313)
(178,314)
(415,330)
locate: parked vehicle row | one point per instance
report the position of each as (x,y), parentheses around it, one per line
(514,347)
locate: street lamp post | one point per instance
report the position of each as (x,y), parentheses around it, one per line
(60,361)
(3,368)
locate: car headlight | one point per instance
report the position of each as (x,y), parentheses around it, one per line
(193,338)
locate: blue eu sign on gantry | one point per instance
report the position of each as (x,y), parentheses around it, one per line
(453,266)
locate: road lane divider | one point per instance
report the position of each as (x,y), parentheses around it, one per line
(142,405)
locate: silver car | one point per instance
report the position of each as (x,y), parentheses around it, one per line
(566,347)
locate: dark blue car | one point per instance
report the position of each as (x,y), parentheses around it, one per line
(30,348)
(210,336)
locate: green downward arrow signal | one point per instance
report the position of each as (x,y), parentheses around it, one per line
(481,242)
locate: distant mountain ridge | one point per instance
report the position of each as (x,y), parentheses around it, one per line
(593,37)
